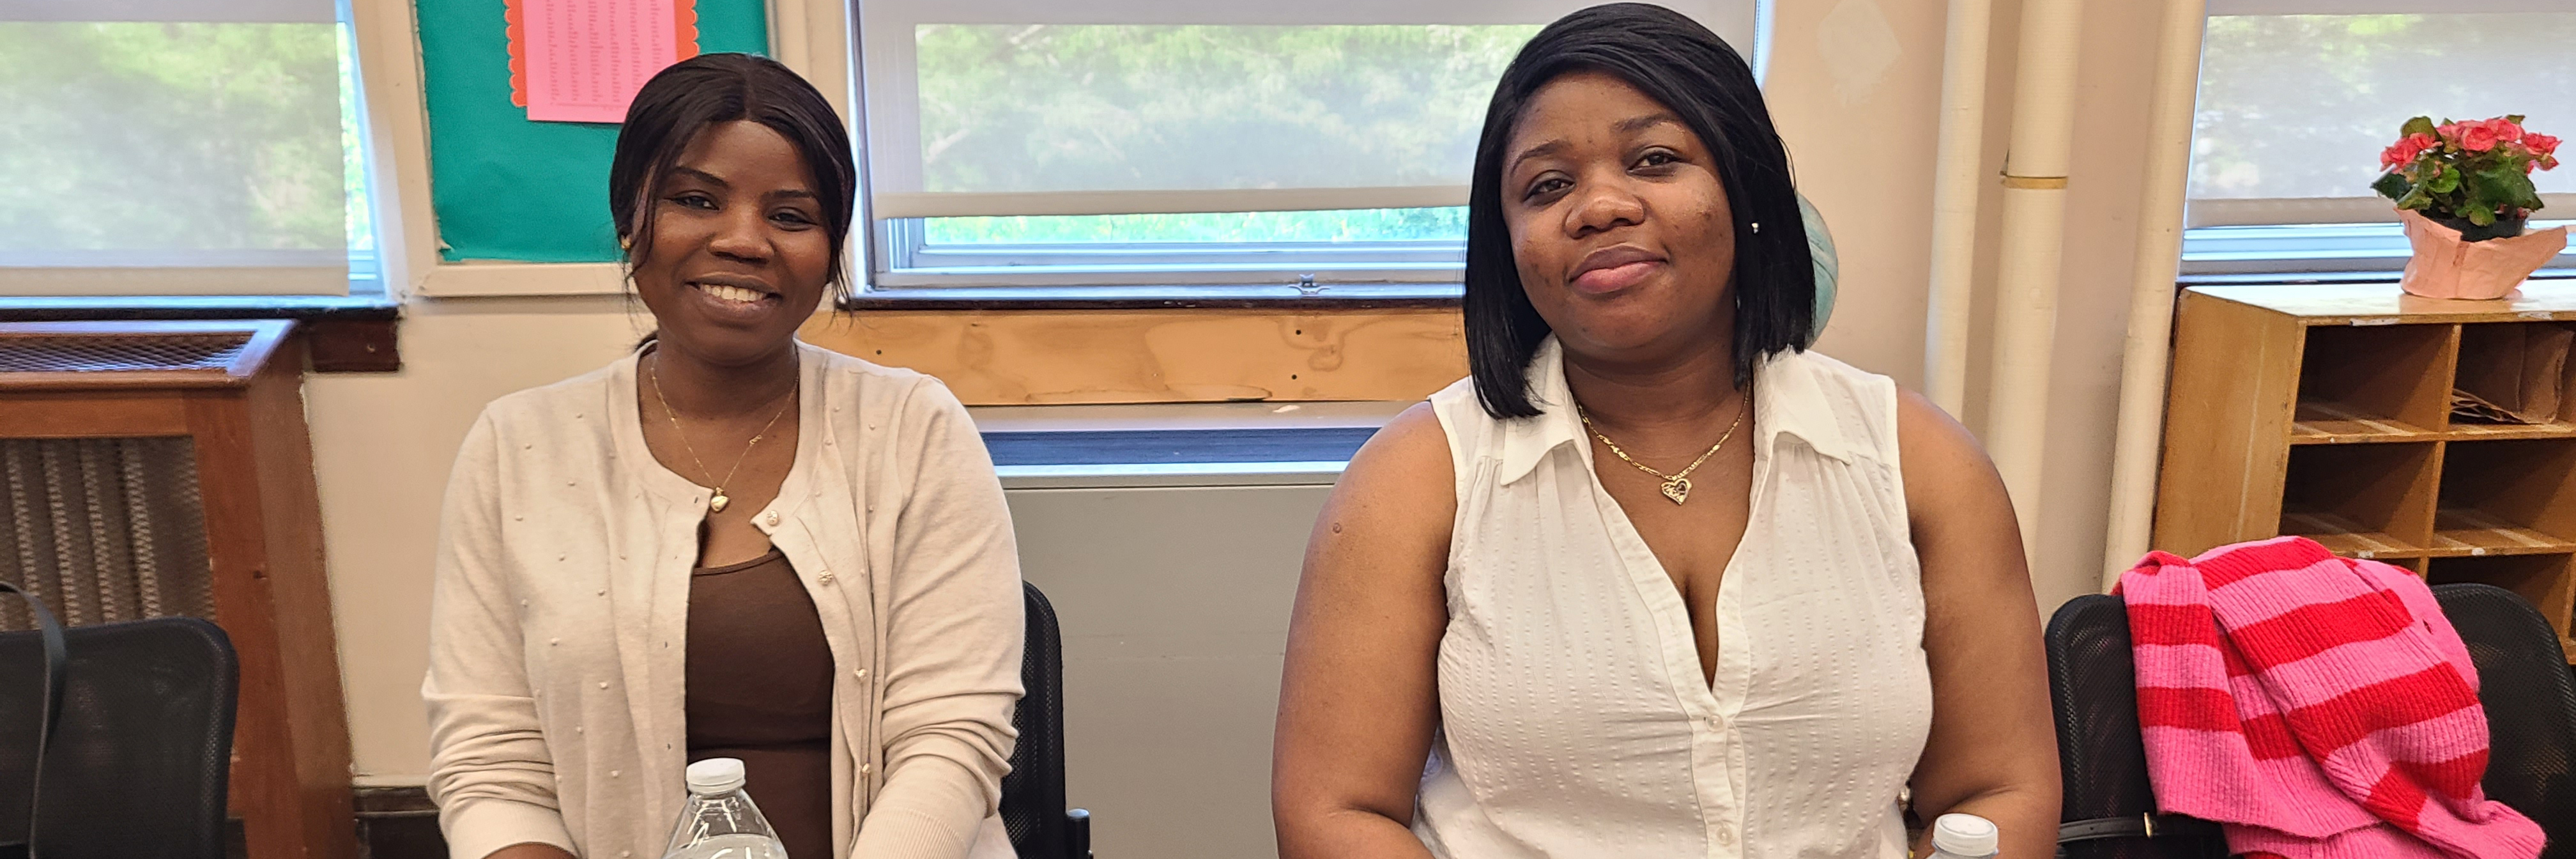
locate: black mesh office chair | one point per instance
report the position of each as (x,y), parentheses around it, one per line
(1033,793)
(2531,707)
(139,758)
(2523,683)
(2110,809)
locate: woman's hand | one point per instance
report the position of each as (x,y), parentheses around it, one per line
(1356,705)
(1993,748)
(530,851)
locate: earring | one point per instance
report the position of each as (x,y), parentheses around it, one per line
(1757,228)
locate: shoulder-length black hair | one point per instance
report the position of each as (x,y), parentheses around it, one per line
(710,89)
(1679,63)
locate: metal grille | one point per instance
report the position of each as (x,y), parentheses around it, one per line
(73,353)
(104,529)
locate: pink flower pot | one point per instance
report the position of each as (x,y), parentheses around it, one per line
(2444,266)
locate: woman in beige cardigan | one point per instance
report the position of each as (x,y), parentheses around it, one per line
(729,543)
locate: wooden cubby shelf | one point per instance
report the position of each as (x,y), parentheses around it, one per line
(2372,384)
(2471,533)
(2366,501)
(2499,432)
(2507,498)
(2326,411)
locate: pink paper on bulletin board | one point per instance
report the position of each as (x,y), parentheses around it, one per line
(583,60)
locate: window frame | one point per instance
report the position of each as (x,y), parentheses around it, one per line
(2266,237)
(893,255)
(243,275)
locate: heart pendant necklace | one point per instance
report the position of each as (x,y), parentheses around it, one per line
(719,501)
(1677,485)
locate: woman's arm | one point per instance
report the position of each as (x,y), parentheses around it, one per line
(1357,705)
(1993,749)
(954,630)
(489,769)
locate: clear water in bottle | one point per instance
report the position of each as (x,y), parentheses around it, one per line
(720,822)
(731,847)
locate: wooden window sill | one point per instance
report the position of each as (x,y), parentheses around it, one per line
(1279,298)
(1145,344)
(343,334)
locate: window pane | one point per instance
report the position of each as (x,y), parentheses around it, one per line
(353,152)
(2301,105)
(1447,223)
(173,137)
(1021,108)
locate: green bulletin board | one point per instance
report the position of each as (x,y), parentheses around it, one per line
(509,189)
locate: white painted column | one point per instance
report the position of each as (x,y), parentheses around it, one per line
(2138,445)
(2034,230)
(1956,187)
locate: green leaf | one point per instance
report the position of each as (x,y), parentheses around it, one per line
(2482,216)
(2415,199)
(2514,118)
(2502,183)
(2447,182)
(2393,185)
(2418,125)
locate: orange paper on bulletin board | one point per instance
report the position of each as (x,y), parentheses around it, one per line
(583,60)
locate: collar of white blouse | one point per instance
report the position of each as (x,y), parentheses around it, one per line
(1787,399)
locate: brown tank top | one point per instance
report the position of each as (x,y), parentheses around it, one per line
(760,689)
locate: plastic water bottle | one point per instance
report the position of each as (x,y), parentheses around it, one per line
(1964,836)
(720,822)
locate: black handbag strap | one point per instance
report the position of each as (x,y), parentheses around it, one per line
(57,664)
(2141,826)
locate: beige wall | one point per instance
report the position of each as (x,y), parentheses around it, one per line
(381,449)
(1854,85)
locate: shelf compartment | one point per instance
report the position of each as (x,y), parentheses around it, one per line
(2474,533)
(2503,432)
(2522,365)
(2363,501)
(2318,422)
(2514,497)
(2541,580)
(2373,383)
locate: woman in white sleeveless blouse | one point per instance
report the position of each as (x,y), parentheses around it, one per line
(1541,618)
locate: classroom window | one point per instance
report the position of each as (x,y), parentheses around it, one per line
(181,147)
(1162,142)
(2297,98)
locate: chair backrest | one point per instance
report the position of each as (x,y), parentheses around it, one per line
(2530,701)
(140,760)
(1033,793)
(2094,685)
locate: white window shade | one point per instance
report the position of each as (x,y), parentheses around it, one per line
(1120,107)
(2298,97)
(174,147)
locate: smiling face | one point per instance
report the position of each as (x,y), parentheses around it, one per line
(738,256)
(1619,226)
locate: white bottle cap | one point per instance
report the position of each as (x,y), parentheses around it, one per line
(724,775)
(1954,834)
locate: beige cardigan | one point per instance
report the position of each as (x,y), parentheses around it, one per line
(555,656)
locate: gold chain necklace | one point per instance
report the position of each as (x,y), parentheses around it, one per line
(717,502)
(1677,485)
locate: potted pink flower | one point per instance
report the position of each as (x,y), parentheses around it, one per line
(2464,191)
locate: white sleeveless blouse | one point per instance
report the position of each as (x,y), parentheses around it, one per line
(1574,722)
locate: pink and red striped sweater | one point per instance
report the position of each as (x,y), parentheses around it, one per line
(2320,707)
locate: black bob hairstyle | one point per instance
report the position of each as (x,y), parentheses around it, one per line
(710,89)
(1679,63)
